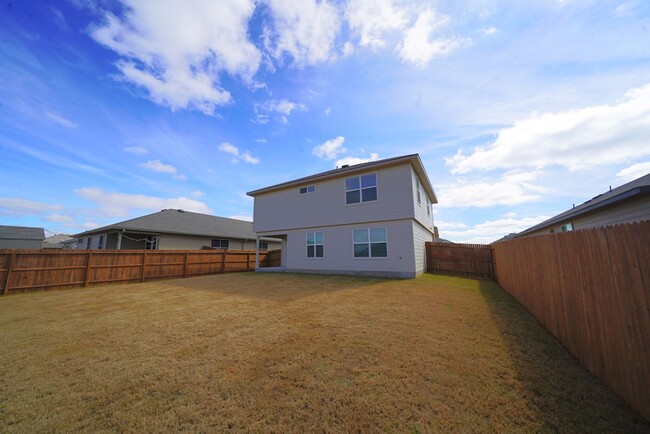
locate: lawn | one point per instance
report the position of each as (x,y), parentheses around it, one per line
(292,353)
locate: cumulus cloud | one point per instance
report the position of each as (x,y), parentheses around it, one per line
(306,30)
(635,171)
(60,218)
(234,151)
(350,161)
(198,193)
(490,230)
(137,150)
(371,19)
(418,48)
(177,50)
(159,166)
(510,189)
(281,107)
(121,204)
(18,206)
(575,139)
(330,149)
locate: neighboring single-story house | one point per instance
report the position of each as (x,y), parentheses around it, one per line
(175,229)
(365,219)
(625,204)
(58,241)
(21,237)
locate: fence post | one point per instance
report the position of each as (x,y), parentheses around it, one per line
(185,265)
(10,268)
(88,261)
(248,262)
(223,261)
(144,264)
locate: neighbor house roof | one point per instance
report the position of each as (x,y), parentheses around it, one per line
(177,221)
(638,187)
(21,233)
(346,170)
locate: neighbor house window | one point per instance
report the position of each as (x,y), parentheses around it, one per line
(221,244)
(151,243)
(101,242)
(264,245)
(315,245)
(428,207)
(417,187)
(308,189)
(361,188)
(88,243)
(567,227)
(370,243)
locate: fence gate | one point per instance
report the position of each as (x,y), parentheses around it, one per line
(471,260)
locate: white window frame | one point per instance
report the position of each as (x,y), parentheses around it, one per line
(308,189)
(417,187)
(567,227)
(361,188)
(369,243)
(428,207)
(221,242)
(315,245)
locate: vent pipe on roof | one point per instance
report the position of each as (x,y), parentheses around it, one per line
(345,166)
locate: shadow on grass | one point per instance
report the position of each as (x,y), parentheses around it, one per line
(275,286)
(565,395)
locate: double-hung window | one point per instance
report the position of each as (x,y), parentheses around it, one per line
(264,245)
(417,187)
(220,244)
(315,245)
(361,188)
(370,243)
(308,189)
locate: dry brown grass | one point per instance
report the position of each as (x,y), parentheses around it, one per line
(290,353)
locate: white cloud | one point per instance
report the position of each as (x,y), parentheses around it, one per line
(489,30)
(120,204)
(198,193)
(229,149)
(137,150)
(491,230)
(246,218)
(348,48)
(635,171)
(59,218)
(177,50)
(306,30)
(575,139)
(351,161)
(16,206)
(450,225)
(510,189)
(233,150)
(61,120)
(371,19)
(159,166)
(330,149)
(282,107)
(417,48)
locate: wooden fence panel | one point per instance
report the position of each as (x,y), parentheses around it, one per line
(472,260)
(27,270)
(591,289)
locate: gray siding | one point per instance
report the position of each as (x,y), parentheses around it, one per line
(420,236)
(420,209)
(20,244)
(287,209)
(339,255)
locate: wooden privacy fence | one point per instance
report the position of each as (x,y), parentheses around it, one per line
(472,260)
(591,289)
(27,270)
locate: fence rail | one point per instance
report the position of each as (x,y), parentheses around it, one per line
(28,270)
(472,260)
(591,289)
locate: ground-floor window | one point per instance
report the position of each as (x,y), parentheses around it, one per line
(101,242)
(264,245)
(220,244)
(370,243)
(315,245)
(151,243)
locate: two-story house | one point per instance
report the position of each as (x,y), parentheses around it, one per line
(365,219)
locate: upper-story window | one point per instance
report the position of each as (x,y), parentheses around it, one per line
(361,188)
(308,189)
(428,206)
(417,187)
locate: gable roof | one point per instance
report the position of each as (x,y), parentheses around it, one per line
(177,221)
(639,186)
(21,233)
(346,170)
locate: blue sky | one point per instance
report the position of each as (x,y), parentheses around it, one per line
(112,110)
